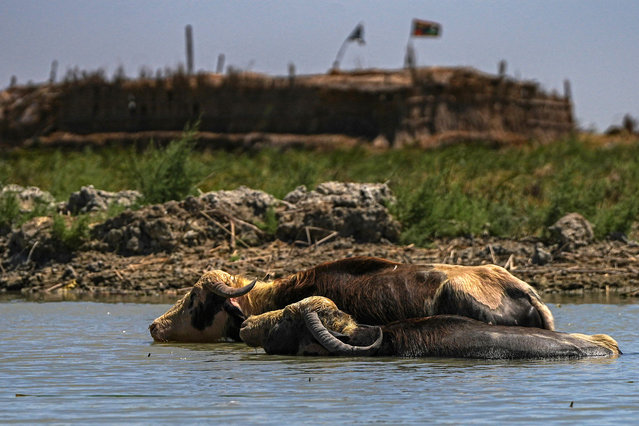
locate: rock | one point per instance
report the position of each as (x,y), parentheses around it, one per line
(133,245)
(89,199)
(191,238)
(541,256)
(572,231)
(247,204)
(355,210)
(34,241)
(381,142)
(95,266)
(29,198)
(296,195)
(69,273)
(147,230)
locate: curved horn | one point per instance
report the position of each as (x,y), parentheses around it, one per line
(332,343)
(224,290)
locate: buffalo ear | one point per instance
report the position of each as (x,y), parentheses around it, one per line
(364,334)
(233,310)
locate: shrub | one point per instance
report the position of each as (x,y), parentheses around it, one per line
(11,214)
(72,235)
(9,210)
(269,226)
(169,173)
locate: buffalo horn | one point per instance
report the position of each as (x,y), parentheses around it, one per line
(332,343)
(224,290)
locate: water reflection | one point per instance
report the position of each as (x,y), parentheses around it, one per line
(551,298)
(589,298)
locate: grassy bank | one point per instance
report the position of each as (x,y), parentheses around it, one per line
(458,190)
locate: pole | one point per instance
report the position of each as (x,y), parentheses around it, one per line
(410,59)
(220,63)
(356,35)
(189,49)
(567,90)
(340,54)
(53,72)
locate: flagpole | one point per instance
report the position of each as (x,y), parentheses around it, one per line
(340,53)
(356,35)
(410,62)
(419,28)
(409,58)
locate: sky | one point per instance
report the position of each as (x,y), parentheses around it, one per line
(593,44)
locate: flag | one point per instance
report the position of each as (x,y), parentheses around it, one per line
(357,34)
(425,29)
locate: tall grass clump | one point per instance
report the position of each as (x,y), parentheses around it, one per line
(72,235)
(9,210)
(169,173)
(11,214)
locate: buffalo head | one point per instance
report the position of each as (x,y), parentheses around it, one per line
(312,326)
(207,313)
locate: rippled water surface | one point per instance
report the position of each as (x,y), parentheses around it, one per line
(81,362)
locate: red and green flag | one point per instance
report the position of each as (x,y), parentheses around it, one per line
(425,29)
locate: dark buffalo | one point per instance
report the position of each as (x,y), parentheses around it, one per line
(315,326)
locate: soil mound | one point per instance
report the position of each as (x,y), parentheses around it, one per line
(88,199)
(339,209)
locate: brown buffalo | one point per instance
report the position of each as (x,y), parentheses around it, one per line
(375,291)
(315,326)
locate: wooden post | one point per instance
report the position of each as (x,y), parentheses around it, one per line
(291,73)
(189,49)
(220,64)
(502,68)
(53,72)
(567,91)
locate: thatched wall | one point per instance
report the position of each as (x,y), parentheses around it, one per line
(424,106)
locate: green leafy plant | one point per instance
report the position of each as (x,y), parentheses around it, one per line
(163,174)
(72,235)
(269,226)
(9,210)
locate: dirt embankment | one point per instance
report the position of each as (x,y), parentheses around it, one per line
(163,249)
(426,107)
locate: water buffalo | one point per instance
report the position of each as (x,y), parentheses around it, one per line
(375,291)
(315,326)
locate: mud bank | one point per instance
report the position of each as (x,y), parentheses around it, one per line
(161,250)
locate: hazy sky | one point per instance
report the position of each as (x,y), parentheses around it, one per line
(594,44)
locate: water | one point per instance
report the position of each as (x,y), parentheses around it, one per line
(81,362)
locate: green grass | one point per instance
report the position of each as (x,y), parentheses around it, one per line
(460,190)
